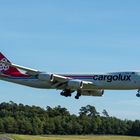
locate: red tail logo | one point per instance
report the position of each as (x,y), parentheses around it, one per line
(6,69)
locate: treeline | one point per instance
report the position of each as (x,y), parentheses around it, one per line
(24,119)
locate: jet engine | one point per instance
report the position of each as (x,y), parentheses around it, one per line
(93,92)
(46,77)
(75,84)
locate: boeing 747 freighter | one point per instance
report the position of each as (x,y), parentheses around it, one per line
(83,84)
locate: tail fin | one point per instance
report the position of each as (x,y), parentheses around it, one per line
(6,69)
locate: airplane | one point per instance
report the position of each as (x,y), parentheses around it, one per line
(83,84)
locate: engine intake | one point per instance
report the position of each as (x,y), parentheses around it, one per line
(75,84)
(46,77)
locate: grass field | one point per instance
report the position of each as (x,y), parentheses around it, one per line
(27,137)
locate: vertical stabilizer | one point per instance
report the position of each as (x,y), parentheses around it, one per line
(6,69)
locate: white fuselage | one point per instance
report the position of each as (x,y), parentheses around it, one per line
(115,80)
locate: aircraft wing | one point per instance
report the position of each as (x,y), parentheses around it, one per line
(34,72)
(87,88)
(30,71)
(61,82)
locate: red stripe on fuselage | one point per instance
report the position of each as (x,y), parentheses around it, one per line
(78,76)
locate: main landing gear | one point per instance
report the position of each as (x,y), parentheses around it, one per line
(67,93)
(138,94)
(78,94)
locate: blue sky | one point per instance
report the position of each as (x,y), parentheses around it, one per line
(72,36)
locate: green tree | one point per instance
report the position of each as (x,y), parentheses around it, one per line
(105,113)
(89,111)
(10,125)
(25,126)
(135,130)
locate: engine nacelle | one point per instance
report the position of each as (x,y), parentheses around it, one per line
(46,77)
(75,84)
(93,93)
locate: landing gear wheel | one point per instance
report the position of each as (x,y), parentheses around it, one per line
(78,95)
(66,93)
(138,94)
